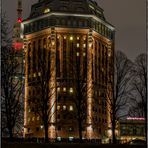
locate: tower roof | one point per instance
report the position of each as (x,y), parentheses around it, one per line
(66,6)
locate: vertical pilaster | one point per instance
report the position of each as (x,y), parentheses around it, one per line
(89,86)
(52,85)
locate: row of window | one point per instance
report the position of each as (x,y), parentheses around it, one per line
(59,128)
(68,22)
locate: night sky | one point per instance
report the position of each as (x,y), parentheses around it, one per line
(128,17)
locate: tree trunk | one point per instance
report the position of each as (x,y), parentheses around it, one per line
(46,132)
(10,134)
(80,129)
(113,129)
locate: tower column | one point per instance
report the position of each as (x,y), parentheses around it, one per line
(89,129)
(52,85)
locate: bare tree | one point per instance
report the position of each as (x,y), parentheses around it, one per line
(42,104)
(78,71)
(139,87)
(118,90)
(11,87)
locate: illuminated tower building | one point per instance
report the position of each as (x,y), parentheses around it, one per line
(73,30)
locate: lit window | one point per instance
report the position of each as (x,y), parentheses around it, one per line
(78,38)
(34,75)
(29,110)
(71,108)
(58,89)
(58,107)
(71,138)
(78,45)
(38,118)
(64,37)
(59,138)
(84,54)
(39,74)
(84,38)
(71,38)
(64,107)
(84,45)
(78,54)
(64,89)
(32,118)
(41,126)
(71,90)
(46,10)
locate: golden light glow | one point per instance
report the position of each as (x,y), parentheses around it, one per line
(64,89)
(52,133)
(64,107)
(34,75)
(53,43)
(71,38)
(39,73)
(38,118)
(78,54)
(58,89)
(64,36)
(58,107)
(89,132)
(71,108)
(84,54)
(90,44)
(78,37)
(46,10)
(78,45)
(84,45)
(71,90)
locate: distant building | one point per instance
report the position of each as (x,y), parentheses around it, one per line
(74,31)
(132,128)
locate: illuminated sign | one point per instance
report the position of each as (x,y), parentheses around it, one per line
(135,118)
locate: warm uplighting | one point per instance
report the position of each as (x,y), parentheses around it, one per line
(90,44)
(53,43)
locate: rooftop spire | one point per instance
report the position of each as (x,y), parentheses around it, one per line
(19,11)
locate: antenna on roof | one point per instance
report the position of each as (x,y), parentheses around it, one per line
(19,11)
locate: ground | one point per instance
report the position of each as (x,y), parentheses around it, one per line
(36,145)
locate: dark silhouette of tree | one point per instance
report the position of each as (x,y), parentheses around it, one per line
(139,88)
(79,84)
(119,89)
(11,86)
(43,104)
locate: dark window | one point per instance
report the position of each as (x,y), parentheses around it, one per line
(59,128)
(37,129)
(58,116)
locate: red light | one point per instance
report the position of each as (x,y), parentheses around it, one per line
(19,20)
(18,45)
